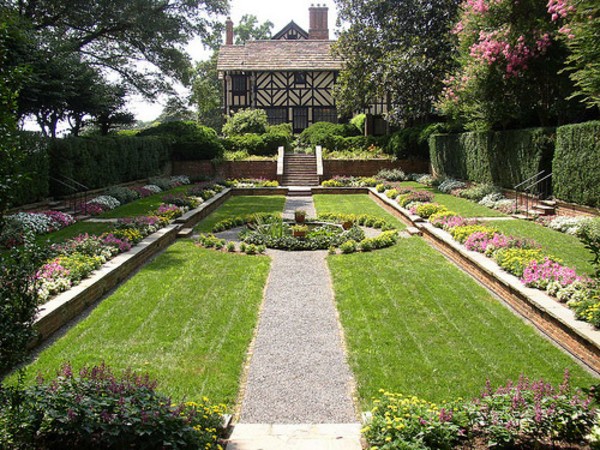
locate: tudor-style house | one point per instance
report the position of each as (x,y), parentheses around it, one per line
(290,76)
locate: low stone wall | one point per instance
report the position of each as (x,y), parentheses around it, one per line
(341,167)
(551,317)
(227,169)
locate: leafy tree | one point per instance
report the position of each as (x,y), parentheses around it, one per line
(396,51)
(246,121)
(582,36)
(207,93)
(175,110)
(508,68)
(249,30)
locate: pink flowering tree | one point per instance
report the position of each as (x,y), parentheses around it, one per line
(510,56)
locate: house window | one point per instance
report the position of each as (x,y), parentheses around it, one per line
(238,84)
(277,115)
(299,77)
(325,114)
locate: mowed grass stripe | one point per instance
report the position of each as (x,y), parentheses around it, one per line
(186,318)
(241,206)
(353,204)
(417,324)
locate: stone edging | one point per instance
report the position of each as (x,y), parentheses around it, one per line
(551,317)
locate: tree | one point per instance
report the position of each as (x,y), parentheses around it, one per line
(249,30)
(117,34)
(175,110)
(581,33)
(207,93)
(397,51)
(509,60)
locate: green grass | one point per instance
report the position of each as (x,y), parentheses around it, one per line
(416,324)
(186,318)
(353,204)
(76,229)
(241,206)
(461,206)
(568,248)
(142,206)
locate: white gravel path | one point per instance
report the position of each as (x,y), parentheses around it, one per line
(294,203)
(298,371)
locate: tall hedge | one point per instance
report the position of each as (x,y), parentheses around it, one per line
(103,161)
(33,185)
(504,158)
(576,166)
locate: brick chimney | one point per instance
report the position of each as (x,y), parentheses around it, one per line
(318,27)
(229,31)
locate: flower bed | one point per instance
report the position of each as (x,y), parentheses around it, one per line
(251,182)
(98,409)
(524,259)
(527,414)
(75,259)
(33,223)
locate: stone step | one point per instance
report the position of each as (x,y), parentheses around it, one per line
(185,232)
(413,231)
(545,210)
(342,436)
(549,202)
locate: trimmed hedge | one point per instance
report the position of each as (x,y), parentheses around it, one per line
(34,168)
(259,144)
(504,158)
(103,161)
(188,141)
(576,165)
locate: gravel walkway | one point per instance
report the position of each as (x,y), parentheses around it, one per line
(298,371)
(294,203)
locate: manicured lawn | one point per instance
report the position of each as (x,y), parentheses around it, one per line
(461,206)
(186,318)
(353,204)
(242,206)
(142,206)
(416,324)
(74,230)
(566,247)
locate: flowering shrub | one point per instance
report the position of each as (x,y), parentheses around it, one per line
(128,234)
(252,182)
(180,200)
(568,225)
(17,225)
(92,209)
(515,260)
(78,265)
(169,212)
(142,191)
(426,210)
(447,220)
(491,200)
(589,234)
(53,279)
(483,243)
(391,175)
(426,179)
(153,188)
(462,232)
(339,181)
(60,219)
(106,202)
(539,275)
(478,192)
(414,196)
(450,184)
(110,240)
(521,415)
(98,409)
(392,194)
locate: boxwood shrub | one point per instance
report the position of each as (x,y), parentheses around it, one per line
(576,165)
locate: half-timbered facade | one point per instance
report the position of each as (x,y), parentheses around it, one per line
(290,76)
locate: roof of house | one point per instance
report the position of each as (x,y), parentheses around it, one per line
(270,55)
(292,27)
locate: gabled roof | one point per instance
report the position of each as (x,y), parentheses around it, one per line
(292,28)
(302,54)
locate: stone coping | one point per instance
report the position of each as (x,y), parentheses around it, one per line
(547,310)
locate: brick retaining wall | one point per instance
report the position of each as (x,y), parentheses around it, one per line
(227,169)
(333,167)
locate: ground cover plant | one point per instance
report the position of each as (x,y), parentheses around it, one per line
(427,329)
(186,318)
(243,206)
(142,206)
(356,204)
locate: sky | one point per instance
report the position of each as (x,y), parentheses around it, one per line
(280,12)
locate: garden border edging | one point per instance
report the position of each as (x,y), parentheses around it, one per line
(551,317)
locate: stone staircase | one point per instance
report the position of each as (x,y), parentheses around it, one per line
(300,170)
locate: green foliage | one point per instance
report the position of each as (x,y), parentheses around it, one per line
(248,29)
(504,158)
(349,247)
(589,234)
(246,121)
(394,50)
(19,302)
(409,143)
(477,192)
(426,210)
(509,69)
(359,122)
(187,140)
(33,168)
(265,144)
(584,45)
(207,93)
(104,161)
(331,136)
(515,260)
(98,409)
(461,233)
(576,164)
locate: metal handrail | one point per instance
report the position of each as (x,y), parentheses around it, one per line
(529,179)
(537,182)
